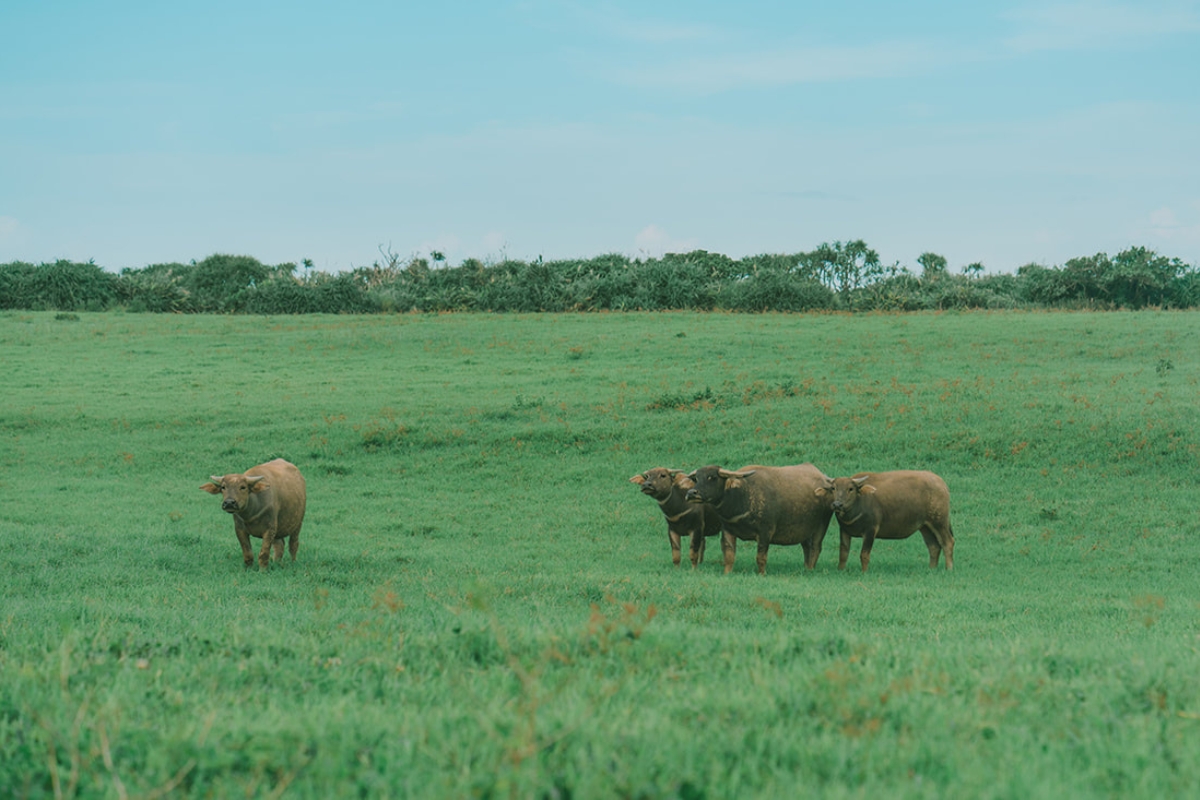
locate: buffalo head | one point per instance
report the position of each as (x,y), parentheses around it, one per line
(710,484)
(659,481)
(844,493)
(235,490)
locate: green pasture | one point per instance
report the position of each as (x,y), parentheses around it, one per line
(484,606)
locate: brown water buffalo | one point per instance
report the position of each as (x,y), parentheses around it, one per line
(892,505)
(768,505)
(695,521)
(267,502)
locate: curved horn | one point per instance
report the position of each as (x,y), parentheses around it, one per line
(217,479)
(253,479)
(724,473)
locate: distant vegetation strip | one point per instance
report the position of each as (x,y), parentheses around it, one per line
(835,277)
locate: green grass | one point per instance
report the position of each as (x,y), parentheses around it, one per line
(484,606)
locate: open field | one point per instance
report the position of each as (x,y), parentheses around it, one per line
(483,605)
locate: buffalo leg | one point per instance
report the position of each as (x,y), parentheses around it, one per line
(728,550)
(948,547)
(843,550)
(935,549)
(763,544)
(676,555)
(279,549)
(293,544)
(697,549)
(812,551)
(941,537)
(865,554)
(244,541)
(264,555)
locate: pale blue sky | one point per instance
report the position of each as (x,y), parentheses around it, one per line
(1003,132)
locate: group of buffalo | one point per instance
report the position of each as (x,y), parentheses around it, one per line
(793,505)
(767,505)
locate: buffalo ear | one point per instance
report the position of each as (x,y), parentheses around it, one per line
(638,479)
(211,488)
(868,490)
(820,492)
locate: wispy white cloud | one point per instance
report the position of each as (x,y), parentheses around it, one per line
(1166,225)
(658,32)
(654,242)
(616,22)
(1163,220)
(720,73)
(10,229)
(495,243)
(15,238)
(1090,25)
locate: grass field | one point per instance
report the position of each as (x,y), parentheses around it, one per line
(484,606)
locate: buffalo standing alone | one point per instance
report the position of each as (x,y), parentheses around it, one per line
(267,502)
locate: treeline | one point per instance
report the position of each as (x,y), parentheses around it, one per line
(839,276)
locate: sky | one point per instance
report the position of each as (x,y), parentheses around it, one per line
(1006,133)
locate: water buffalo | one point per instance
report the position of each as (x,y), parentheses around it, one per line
(768,505)
(267,502)
(892,505)
(695,521)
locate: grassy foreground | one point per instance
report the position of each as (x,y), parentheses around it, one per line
(484,606)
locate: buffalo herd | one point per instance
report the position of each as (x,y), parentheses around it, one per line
(794,504)
(765,505)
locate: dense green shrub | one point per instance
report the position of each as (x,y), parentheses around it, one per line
(668,285)
(13,279)
(775,289)
(344,293)
(221,282)
(838,276)
(282,297)
(61,286)
(1185,290)
(158,288)
(715,266)
(605,282)
(1134,278)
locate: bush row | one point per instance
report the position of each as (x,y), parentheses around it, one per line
(839,276)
